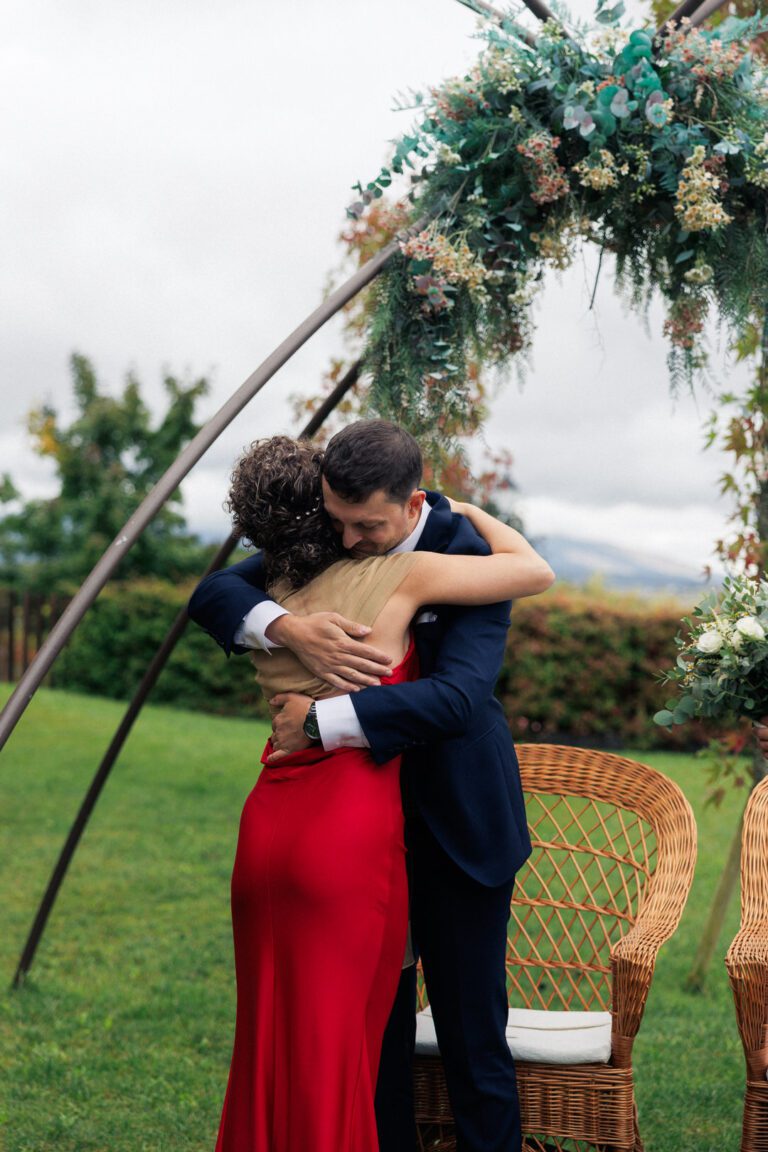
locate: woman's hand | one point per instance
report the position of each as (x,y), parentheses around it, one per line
(288,724)
(457,506)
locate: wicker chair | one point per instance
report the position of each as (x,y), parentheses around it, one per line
(747,964)
(614,847)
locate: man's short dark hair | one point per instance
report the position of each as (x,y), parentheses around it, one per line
(370,456)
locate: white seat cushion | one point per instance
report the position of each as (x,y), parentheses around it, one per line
(540,1037)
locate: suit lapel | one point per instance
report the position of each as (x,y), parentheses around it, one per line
(438,529)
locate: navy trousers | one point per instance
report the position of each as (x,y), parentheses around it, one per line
(460,931)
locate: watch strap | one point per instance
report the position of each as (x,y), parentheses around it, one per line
(311,725)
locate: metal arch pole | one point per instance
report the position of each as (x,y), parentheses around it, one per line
(696,12)
(148,681)
(331,402)
(687,8)
(541,10)
(692,10)
(707,9)
(484,9)
(170,481)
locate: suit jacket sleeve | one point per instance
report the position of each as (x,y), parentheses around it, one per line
(223,599)
(395,717)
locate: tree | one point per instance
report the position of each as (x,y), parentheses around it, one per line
(107,460)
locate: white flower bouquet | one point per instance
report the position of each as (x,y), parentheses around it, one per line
(721,670)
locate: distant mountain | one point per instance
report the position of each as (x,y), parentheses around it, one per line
(577,561)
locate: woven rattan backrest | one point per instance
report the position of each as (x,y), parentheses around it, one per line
(605,831)
(754,857)
(611,838)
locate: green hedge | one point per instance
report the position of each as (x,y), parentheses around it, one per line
(111,649)
(581,665)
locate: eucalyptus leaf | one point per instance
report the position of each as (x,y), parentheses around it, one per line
(727,148)
(533,186)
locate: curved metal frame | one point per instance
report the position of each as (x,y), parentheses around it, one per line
(169,482)
(704,11)
(484,9)
(148,681)
(687,8)
(95,581)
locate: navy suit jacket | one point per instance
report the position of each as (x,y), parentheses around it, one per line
(459,764)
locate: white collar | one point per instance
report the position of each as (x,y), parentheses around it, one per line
(410,542)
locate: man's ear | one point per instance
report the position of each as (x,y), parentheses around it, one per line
(415,502)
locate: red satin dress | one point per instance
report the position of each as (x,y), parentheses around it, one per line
(319,910)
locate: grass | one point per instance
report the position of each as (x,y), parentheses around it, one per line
(120,1039)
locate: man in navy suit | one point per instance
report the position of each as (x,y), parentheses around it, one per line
(466,828)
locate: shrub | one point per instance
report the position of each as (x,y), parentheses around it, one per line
(581,665)
(111,649)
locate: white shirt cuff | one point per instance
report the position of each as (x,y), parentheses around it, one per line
(339,725)
(251,633)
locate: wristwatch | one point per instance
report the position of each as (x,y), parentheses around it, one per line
(311,726)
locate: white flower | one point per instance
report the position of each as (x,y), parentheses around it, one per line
(709,642)
(447,155)
(736,640)
(751,628)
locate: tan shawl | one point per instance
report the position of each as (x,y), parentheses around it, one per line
(358,589)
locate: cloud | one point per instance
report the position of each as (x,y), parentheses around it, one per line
(596,420)
(175,177)
(687,539)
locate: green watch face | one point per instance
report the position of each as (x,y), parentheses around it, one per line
(311,726)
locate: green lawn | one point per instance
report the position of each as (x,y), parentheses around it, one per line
(120,1040)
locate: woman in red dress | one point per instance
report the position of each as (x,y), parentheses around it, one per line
(319,891)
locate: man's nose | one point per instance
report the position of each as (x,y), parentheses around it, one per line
(350,538)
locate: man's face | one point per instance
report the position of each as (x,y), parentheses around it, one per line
(375,525)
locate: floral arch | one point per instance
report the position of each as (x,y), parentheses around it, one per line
(654,147)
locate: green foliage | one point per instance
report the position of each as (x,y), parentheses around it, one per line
(111,649)
(655,149)
(107,460)
(739,426)
(445,461)
(584,667)
(580,665)
(721,671)
(122,1037)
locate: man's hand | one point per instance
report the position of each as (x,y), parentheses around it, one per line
(288,724)
(761,732)
(330,647)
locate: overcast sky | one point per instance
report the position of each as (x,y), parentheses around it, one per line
(174,179)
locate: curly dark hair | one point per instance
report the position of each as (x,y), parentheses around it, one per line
(276,503)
